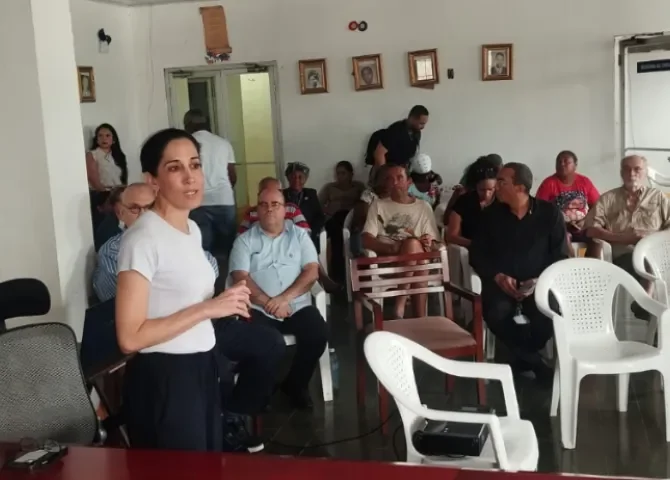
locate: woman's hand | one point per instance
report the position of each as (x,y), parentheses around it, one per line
(232,301)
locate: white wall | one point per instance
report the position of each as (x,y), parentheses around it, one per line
(562,96)
(116,87)
(44,201)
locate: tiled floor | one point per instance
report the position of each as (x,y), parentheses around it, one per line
(608,442)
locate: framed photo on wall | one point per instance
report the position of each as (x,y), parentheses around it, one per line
(313,76)
(423,68)
(497,62)
(86,81)
(368,72)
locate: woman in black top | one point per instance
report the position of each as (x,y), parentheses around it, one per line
(305,198)
(463,219)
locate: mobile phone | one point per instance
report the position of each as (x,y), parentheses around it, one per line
(35,459)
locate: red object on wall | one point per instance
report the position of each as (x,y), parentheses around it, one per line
(353,25)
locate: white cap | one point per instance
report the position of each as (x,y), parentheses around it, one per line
(421,164)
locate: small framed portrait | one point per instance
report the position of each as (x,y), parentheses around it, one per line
(368,72)
(497,62)
(313,76)
(86,81)
(423,68)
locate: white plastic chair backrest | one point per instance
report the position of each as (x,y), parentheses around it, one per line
(584,289)
(654,251)
(657,178)
(390,357)
(391,361)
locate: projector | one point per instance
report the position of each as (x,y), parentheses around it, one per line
(452,439)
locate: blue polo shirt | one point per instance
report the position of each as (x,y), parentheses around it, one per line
(274,264)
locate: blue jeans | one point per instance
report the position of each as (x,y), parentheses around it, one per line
(218,226)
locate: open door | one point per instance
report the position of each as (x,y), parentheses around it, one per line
(644,71)
(242,105)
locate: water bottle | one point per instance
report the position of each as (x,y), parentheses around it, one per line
(335,368)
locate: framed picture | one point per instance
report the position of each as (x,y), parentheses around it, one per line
(313,76)
(368,72)
(497,62)
(423,68)
(86,81)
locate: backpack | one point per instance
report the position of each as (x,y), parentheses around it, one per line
(375,138)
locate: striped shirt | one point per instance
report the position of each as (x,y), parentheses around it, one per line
(106,269)
(293,214)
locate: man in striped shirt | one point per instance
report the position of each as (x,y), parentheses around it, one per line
(293,215)
(134,201)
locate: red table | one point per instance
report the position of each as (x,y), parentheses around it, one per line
(117,464)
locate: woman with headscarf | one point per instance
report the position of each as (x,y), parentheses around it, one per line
(305,198)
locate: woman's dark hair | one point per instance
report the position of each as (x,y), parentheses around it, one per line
(155,145)
(484,168)
(346,165)
(117,152)
(567,153)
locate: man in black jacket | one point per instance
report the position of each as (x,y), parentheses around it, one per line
(518,238)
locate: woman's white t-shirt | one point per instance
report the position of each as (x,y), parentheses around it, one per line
(108,171)
(179,272)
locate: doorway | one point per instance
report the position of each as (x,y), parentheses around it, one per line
(643,100)
(242,106)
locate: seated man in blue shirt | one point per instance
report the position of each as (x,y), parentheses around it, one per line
(279,263)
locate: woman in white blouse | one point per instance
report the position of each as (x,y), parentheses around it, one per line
(106,165)
(164,308)
(106,168)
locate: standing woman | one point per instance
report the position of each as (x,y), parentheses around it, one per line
(338,198)
(164,308)
(106,168)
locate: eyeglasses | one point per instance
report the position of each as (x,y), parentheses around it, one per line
(266,205)
(137,209)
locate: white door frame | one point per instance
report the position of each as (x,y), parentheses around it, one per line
(623,46)
(218,71)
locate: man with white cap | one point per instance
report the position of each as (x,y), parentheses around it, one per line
(425,183)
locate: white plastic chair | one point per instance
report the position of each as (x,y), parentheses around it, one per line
(459,263)
(323,256)
(346,238)
(654,252)
(586,342)
(512,443)
(658,178)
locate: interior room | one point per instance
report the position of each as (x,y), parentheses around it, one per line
(299,88)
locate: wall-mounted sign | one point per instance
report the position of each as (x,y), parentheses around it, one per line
(653,66)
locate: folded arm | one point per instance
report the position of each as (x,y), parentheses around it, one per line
(258,296)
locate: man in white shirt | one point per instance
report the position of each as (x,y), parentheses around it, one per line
(216,216)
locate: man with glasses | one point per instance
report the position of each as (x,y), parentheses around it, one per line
(279,264)
(132,202)
(625,215)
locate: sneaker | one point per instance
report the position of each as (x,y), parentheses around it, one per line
(236,426)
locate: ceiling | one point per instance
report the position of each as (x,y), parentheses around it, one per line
(139,3)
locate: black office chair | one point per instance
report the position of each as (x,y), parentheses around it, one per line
(23,297)
(42,391)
